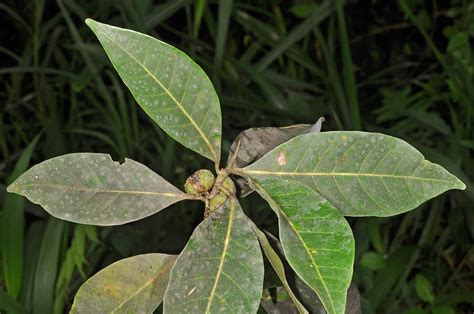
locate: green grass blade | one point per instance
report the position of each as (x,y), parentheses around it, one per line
(15,16)
(32,245)
(8,304)
(74,260)
(199,9)
(223,20)
(348,71)
(162,12)
(12,228)
(409,13)
(318,15)
(47,267)
(334,79)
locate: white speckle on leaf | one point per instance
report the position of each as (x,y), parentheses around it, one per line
(191,291)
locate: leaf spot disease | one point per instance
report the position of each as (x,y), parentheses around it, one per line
(281,159)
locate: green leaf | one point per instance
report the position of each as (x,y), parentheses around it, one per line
(132,285)
(307,295)
(277,265)
(12,228)
(362,174)
(424,288)
(310,299)
(73,261)
(8,304)
(386,278)
(372,261)
(172,89)
(92,189)
(443,309)
(254,143)
(316,239)
(221,268)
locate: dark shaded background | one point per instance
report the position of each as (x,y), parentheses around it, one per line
(273,63)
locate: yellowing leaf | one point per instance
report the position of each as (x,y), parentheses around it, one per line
(131,285)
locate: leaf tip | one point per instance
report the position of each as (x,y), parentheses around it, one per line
(91,23)
(459,185)
(13,188)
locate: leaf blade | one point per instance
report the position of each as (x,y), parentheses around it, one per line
(91,188)
(135,284)
(254,143)
(278,266)
(323,259)
(308,297)
(199,130)
(209,275)
(360,173)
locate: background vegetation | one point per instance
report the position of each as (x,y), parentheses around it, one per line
(404,68)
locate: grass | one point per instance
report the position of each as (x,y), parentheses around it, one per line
(403,68)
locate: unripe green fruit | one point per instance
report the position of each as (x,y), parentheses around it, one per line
(227,188)
(199,182)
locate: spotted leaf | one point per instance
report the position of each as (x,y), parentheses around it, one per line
(254,143)
(316,239)
(278,266)
(171,88)
(131,285)
(93,189)
(221,268)
(362,174)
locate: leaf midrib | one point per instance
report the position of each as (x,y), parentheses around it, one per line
(308,251)
(211,149)
(342,174)
(224,254)
(17,188)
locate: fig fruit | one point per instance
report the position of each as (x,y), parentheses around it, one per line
(199,182)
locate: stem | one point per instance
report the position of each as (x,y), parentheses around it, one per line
(234,157)
(221,176)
